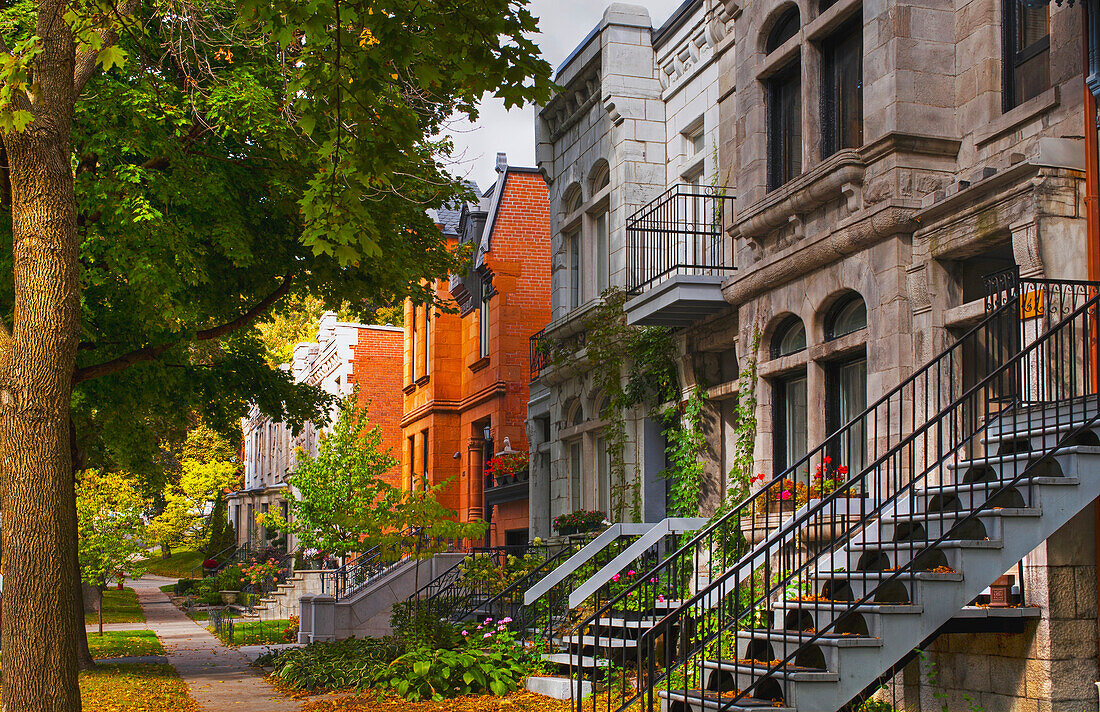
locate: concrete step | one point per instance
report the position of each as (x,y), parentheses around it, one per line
(887,556)
(776,644)
(969,496)
(926,526)
(866,619)
(699,700)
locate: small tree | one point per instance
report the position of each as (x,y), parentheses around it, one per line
(343,503)
(182,522)
(109,523)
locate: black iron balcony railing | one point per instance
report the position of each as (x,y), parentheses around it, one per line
(679,233)
(540,352)
(504,480)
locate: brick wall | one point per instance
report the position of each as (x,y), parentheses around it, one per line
(376,369)
(460,390)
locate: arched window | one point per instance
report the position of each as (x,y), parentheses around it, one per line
(784,28)
(790,338)
(572,200)
(601,178)
(576,415)
(849,314)
(784,96)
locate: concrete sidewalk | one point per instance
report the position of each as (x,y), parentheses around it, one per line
(218,676)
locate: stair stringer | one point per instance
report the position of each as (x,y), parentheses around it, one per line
(941,600)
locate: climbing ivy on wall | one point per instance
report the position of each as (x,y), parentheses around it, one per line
(685,442)
(612,346)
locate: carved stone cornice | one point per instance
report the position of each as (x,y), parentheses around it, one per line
(808,256)
(840,175)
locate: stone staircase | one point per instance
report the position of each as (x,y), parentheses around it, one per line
(970,464)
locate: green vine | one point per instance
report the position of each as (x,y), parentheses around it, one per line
(685,442)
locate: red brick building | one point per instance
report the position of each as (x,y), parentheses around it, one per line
(466,374)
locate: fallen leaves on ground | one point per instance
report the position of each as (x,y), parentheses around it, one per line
(119,643)
(521,701)
(134,688)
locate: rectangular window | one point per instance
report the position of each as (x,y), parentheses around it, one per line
(603,476)
(412,346)
(284,510)
(428,340)
(250,522)
(842,90)
(1026,72)
(696,142)
(603,254)
(424,458)
(790,422)
(575,474)
(483,318)
(785,126)
(573,245)
(847,390)
(412,462)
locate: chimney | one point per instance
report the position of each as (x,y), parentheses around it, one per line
(502,162)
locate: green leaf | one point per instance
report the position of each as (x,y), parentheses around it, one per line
(112,56)
(498,688)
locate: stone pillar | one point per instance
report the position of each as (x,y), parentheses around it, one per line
(305,618)
(324,618)
(476,483)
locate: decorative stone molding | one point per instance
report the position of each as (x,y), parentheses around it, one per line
(916,284)
(1025,248)
(568,107)
(839,176)
(807,256)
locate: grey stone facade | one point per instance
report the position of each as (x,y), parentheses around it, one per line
(949,183)
(641,107)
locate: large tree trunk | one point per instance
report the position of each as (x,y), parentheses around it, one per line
(40,554)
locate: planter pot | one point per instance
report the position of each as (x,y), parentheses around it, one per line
(229,597)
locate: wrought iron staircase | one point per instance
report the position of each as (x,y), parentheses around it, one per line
(971,463)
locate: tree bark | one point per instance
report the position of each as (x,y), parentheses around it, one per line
(40,558)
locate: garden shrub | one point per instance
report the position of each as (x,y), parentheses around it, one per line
(423,621)
(484,659)
(350,663)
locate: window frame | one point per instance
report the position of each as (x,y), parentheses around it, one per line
(784,153)
(832,104)
(831,334)
(780,334)
(413,350)
(781,436)
(484,316)
(833,419)
(1013,57)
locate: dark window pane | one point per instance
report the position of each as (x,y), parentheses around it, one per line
(785,129)
(1026,52)
(785,28)
(842,107)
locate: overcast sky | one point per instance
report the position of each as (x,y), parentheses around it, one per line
(563,24)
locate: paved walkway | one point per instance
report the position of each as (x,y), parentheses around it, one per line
(219,676)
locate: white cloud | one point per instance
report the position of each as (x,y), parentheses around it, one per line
(563,24)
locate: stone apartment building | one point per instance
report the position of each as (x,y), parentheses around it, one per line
(465,382)
(640,114)
(884,158)
(343,356)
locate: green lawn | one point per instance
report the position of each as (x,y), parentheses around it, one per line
(179,565)
(169,588)
(120,643)
(118,607)
(199,615)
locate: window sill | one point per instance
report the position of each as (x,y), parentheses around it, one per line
(408,390)
(1030,109)
(479,364)
(423,380)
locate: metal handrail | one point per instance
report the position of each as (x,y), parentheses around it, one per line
(363,569)
(709,550)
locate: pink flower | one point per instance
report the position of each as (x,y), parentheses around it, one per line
(479,627)
(653,580)
(786,494)
(615,578)
(660,598)
(489,635)
(630,573)
(488,620)
(505,620)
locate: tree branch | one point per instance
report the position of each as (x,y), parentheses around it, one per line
(86,61)
(153,351)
